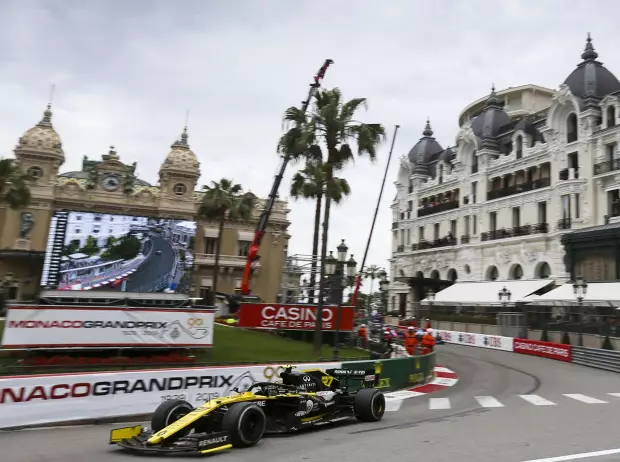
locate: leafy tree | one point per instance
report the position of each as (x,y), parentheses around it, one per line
(14,188)
(331,124)
(182,254)
(192,243)
(125,248)
(224,199)
(90,247)
(72,248)
(110,241)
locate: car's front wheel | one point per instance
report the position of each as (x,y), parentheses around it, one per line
(168,412)
(245,423)
(369,405)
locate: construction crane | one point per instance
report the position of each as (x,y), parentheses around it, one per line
(253,256)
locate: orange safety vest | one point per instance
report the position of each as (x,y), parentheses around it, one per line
(362,332)
(411,340)
(428,341)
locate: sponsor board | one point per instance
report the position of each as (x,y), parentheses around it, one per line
(549,350)
(293,317)
(65,326)
(67,397)
(493,342)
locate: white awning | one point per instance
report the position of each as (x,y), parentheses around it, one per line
(245,236)
(598,293)
(211,232)
(486,292)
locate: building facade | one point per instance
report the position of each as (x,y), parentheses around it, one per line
(108,188)
(531,166)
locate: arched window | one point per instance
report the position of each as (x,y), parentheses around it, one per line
(543,271)
(571,128)
(516,272)
(492,273)
(419,275)
(519,148)
(452,275)
(440,174)
(435,274)
(611,116)
(474,162)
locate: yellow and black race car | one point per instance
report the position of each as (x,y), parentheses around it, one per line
(302,399)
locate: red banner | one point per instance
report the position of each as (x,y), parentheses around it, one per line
(293,317)
(549,350)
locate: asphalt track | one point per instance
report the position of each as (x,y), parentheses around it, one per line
(517,432)
(153,268)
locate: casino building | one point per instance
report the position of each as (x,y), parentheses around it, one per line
(110,187)
(529,191)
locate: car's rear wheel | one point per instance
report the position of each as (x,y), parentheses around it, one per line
(369,405)
(168,412)
(245,423)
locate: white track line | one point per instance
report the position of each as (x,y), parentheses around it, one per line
(585,399)
(439,403)
(488,401)
(537,400)
(585,455)
(617,395)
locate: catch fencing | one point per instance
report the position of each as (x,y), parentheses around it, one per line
(608,360)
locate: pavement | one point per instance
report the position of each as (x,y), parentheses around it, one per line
(460,422)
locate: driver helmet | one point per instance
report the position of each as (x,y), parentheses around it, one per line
(363,325)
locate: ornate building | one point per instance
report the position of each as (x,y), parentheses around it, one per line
(109,186)
(533,169)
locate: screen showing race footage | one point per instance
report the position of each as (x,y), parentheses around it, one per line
(96,251)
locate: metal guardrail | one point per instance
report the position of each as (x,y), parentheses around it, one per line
(608,360)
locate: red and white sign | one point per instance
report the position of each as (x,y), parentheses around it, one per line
(293,317)
(493,342)
(80,326)
(549,350)
(41,399)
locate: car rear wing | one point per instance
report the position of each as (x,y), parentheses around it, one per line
(369,377)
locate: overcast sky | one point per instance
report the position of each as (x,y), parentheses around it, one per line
(127,70)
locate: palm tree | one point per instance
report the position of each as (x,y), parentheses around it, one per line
(372,273)
(331,124)
(310,183)
(14,189)
(222,200)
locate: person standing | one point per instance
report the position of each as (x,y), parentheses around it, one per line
(428,342)
(411,341)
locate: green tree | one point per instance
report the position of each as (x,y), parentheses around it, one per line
(72,248)
(222,200)
(330,124)
(110,241)
(14,188)
(310,183)
(124,248)
(90,247)
(192,243)
(182,254)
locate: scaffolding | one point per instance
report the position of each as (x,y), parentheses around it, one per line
(295,287)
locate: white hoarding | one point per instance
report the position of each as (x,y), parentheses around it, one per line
(66,326)
(47,399)
(493,342)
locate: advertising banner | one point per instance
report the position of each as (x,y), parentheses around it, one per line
(68,397)
(294,317)
(87,327)
(493,342)
(549,350)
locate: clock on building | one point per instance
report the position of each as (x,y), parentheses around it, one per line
(111,182)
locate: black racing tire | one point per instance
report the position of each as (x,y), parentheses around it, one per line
(369,405)
(245,423)
(168,412)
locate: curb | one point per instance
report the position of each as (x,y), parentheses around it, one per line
(444,378)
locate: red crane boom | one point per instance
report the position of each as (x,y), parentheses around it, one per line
(253,256)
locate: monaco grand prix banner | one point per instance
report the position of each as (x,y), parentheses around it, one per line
(86,327)
(294,317)
(70,397)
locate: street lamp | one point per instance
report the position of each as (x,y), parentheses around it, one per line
(580,288)
(504,296)
(345,271)
(430,296)
(384,285)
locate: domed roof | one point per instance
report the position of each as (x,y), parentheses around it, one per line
(42,137)
(493,117)
(526,125)
(447,156)
(424,150)
(181,157)
(591,78)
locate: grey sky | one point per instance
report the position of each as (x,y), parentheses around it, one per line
(127,70)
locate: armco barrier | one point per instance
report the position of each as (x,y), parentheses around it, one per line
(493,342)
(557,351)
(608,360)
(398,373)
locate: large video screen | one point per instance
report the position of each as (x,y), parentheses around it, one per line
(96,251)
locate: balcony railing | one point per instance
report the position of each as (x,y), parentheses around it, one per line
(519,188)
(607,166)
(395,225)
(443,242)
(569,174)
(465,239)
(564,223)
(514,232)
(443,207)
(400,248)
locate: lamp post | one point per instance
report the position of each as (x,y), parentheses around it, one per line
(580,288)
(430,296)
(341,271)
(384,285)
(504,296)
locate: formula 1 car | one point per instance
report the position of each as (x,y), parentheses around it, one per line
(303,399)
